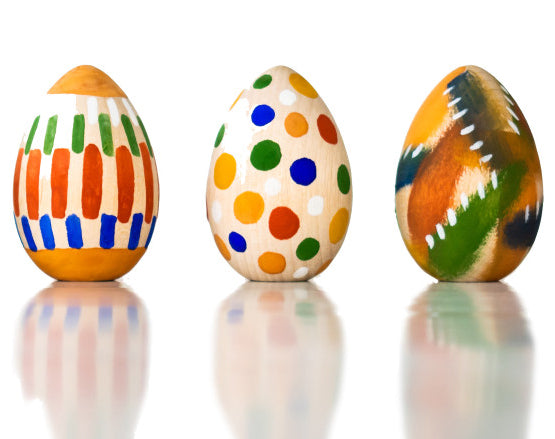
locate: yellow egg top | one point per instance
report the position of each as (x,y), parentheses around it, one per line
(87,80)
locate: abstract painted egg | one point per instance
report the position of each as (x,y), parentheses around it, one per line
(279,188)
(86,187)
(469,190)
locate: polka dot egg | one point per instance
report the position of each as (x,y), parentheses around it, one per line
(279,187)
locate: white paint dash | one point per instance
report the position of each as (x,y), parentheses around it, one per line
(481,191)
(114,113)
(92,110)
(418,150)
(476,145)
(464,201)
(494,179)
(509,100)
(537,208)
(440,231)
(467,130)
(451,217)
(449,90)
(460,114)
(513,126)
(430,241)
(454,102)
(510,110)
(527,213)
(486,158)
(407,151)
(130,110)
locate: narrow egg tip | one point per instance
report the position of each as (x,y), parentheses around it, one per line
(87,80)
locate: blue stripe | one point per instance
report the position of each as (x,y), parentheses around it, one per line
(135,234)
(45,316)
(74,234)
(17,228)
(47,235)
(151,232)
(133,317)
(105,318)
(107,230)
(72,317)
(29,234)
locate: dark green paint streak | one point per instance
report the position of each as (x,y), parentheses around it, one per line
(146,136)
(106,134)
(78,136)
(31,135)
(130,133)
(220,136)
(50,135)
(454,255)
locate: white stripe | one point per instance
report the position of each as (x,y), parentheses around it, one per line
(407,151)
(527,213)
(467,130)
(114,113)
(460,114)
(453,102)
(537,208)
(430,241)
(494,179)
(509,100)
(476,145)
(451,217)
(512,113)
(464,201)
(130,110)
(481,192)
(448,90)
(418,150)
(486,158)
(440,231)
(503,88)
(513,126)
(92,110)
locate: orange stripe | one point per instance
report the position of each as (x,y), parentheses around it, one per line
(126,183)
(91,196)
(58,182)
(149,183)
(16,179)
(32,184)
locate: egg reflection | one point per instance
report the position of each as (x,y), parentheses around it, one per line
(83,353)
(468,363)
(278,358)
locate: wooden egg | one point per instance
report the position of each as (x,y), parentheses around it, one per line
(83,352)
(278,360)
(85,186)
(279,187)
(469,191)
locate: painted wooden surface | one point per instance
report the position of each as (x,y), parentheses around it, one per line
(279,187)
(85,185)
(469,191)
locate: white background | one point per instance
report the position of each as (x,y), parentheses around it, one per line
(182,65)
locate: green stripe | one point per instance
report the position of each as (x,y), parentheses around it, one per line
(146,136)
(106,134)
(78,140)
(50,134)
(454,255)
(128,127)
(31,135)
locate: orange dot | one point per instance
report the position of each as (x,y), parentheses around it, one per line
(271,263)
(222,247)
(224,171)
(248,207)
(296,125)
(302,85)
(323,267)
(338,225)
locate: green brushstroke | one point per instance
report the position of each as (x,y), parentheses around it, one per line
(130,133)
(455,254)
(146,136)
(106,134)
(50,135)
(78,136)
(31,135)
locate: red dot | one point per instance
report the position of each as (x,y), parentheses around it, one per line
(284,223)
(327,129)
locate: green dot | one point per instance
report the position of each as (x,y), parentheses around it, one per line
(307,249)
(220,136)
(343,179)
(265,155)
(305,309)
(262,82)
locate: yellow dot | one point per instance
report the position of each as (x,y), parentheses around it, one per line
(271,263)
(338,225)
(222,247)
(224,171)
(302,85)
(248,207)
(296,125)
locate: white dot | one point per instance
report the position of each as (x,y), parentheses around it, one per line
(216,211)
(272,186)
(287,97)
(316,205)
(301,272)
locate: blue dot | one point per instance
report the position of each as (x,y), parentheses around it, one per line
(262,115)
(303,171)
(237,242)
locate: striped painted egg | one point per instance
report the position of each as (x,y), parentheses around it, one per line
(86,187)
(469,190)
(279,187)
